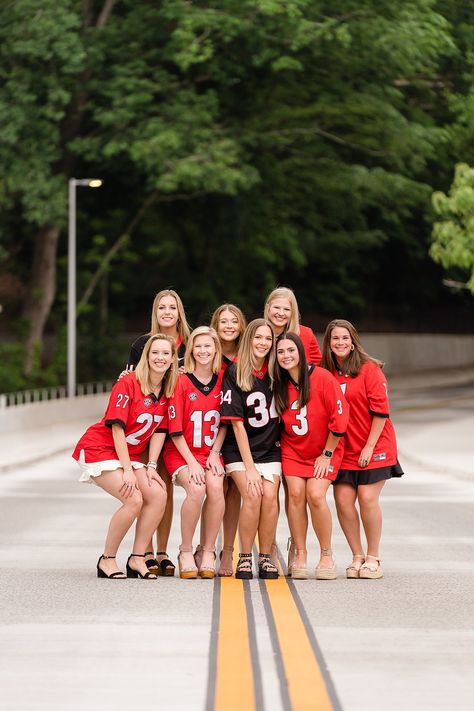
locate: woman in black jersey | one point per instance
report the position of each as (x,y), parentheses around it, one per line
(251,449)
(167,317)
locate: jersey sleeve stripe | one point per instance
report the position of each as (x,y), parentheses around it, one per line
(116,421)
(379,414)
(337,434)
(175,434)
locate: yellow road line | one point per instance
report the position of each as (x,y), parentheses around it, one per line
(306,685)
(234,677)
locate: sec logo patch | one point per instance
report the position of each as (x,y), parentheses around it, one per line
(148,401)
(192,396)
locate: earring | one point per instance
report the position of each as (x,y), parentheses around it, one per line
(352,347)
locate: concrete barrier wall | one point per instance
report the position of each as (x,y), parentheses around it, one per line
(52,412)
(411,352)
(402,353)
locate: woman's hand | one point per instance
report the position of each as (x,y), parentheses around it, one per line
(196,473)
(365,456)
(321,466)
(129,482)
(125,372)
(214,463)
(152,475)
(254,482)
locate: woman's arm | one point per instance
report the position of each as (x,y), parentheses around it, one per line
(120,444)
(156,445)
(321,464)
(378,423)
(254,480)
(214,463)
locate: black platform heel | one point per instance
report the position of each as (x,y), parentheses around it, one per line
(118,575)
(135,573)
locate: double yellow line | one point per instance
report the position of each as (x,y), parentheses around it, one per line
(305,686)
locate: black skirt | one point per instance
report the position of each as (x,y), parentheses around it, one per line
(360,477)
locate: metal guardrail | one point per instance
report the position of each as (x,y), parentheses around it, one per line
(26,397)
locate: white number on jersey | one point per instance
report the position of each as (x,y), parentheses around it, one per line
(301,418)
(339,407)
(148,420)
(262,414)
(197,419)
(171,412)
(226,397)
(121,397)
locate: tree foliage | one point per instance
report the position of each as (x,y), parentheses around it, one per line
(243,143)
(453,233)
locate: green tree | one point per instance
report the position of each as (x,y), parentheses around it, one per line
(453,232)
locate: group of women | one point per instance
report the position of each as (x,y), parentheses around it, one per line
(226,412)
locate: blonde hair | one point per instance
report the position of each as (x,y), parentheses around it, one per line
(357,356)
(142,371)
(189,361)
(182,325)
(283,292)
(238,313)
(246,361)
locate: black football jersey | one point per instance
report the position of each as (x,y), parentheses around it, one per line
(256,409)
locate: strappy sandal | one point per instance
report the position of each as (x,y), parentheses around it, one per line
(165,566)
(353,570)
(266,569)
(224,572)
(275,559)
(152,563)
(189,573)
(208,572)
(326,573)
(298,573)
(369,571)
(118,575)
(244,567)
(131,573)
(290,549)
(198,555)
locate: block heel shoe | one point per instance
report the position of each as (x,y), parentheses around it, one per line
(131,573)
(118,575)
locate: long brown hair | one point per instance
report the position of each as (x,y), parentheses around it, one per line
(182,325)
(142,371)
(356,358)
(246,362)
(281,376)
(238,313)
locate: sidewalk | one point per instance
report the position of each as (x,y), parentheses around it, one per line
(445,446)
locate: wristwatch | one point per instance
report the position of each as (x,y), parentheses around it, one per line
(327,453)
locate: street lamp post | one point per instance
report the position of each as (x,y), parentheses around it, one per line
(71,280)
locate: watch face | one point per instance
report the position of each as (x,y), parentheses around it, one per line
(327,453)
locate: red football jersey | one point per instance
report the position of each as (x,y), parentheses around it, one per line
(305,430)
(367,396)
(310,344)
(140,416)
(193,411)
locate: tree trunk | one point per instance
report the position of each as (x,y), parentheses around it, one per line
(41,290)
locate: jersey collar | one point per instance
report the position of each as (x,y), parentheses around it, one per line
(204,389)
(260,374)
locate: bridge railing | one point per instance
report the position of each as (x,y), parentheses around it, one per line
(25,397)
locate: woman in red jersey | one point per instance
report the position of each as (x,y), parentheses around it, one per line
(109,453)
(192,453)
(314,415)
(281,309)
(168,317)
(229,323)
(370,453)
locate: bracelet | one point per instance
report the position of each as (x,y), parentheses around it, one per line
(152,464)
(217,451)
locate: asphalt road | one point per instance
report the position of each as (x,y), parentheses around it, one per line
(71,641)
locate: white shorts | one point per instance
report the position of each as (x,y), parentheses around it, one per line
(93,469)
(268,470)
(176,472)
